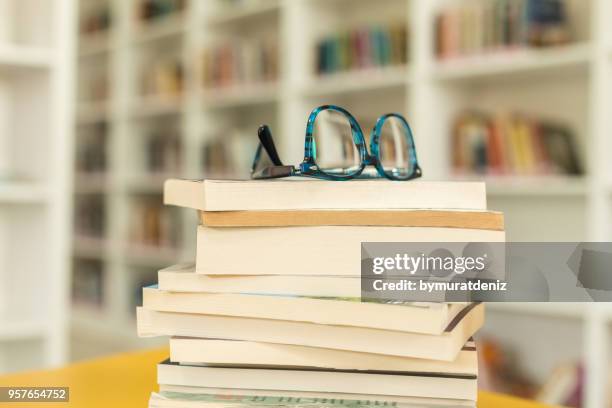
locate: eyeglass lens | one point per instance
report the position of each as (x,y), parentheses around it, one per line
(335,150)
(395,151)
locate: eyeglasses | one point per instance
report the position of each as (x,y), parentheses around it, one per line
(335,149)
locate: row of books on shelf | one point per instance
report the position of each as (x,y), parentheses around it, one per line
(229,155)
(241,62)
(163,151)
(149,10)
(163,77)
(88,281)
(96,20)
(476,27)
(234,4)
(90,216)
(99,19)
(95,87)
(362,48)
(91,149)
(513,144)
(153,225)
(226,154)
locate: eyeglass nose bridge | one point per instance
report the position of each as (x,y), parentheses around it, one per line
(370,159)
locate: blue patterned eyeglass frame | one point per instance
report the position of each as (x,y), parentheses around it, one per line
(309,166)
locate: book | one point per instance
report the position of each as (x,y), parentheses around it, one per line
(417,317)
(337,248)
(389,342)
(560,385)
(196,351)
(182,278)
(301,193)
(377,382)
(175,396)
(391,218)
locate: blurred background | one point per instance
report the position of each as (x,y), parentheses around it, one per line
(102,100)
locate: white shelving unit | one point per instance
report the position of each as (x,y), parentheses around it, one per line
(569,83)
(35,143)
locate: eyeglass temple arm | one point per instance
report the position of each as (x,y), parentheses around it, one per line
(265,137)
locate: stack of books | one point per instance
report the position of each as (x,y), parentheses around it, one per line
(271,311)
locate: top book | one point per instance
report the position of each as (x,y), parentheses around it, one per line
(297,193)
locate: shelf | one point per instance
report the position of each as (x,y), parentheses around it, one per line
(90,247)
(357,81)
(551,309)
(158,106)
(22,193)
(149,183)
(241,95)
(537,186)
(110,333)
(91,183)
(17,58)
(94,45)
(165,27)
(566,310)
(152,256)
(97,322)
(21,330)
(519,62)
(239,15)
(93,112)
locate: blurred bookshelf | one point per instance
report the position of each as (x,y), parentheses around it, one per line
(35,140)
(188,82)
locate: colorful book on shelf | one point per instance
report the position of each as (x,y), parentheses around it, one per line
(445,346)
(300,193)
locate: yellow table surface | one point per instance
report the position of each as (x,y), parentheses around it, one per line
(126,380)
